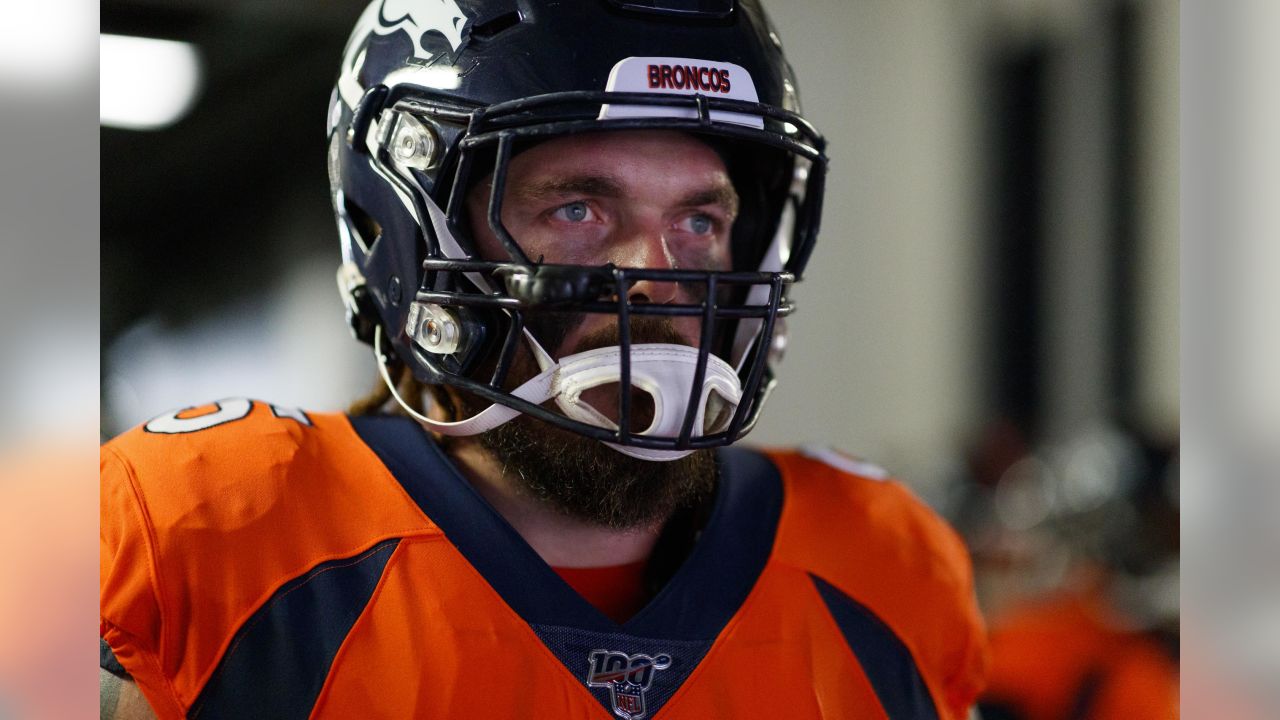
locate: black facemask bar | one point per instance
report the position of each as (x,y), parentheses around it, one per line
(754,386)
(520,285)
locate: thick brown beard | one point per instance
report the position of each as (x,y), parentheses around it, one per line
(583,478)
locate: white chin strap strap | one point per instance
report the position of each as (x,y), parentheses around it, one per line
(664,371)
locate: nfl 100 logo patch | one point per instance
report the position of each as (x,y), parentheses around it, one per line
(627,677)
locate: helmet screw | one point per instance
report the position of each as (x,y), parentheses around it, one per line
(393,290)
(406,146)
(412,143)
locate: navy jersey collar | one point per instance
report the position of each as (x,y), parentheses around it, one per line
(694,605)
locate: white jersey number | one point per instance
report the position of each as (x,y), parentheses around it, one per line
(226,411)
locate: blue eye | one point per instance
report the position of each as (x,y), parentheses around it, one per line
(701,224)
(574,212)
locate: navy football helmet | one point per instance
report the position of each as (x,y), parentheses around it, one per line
(435,95)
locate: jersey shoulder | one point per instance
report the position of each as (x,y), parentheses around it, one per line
(208,511)
(851,525)
(237,465)
(835,500)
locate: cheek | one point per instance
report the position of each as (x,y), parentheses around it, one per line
(486,242)
(563,245)
(522,225)
(701,254)
(722,256)
(488,245)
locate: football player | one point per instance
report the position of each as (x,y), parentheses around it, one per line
(570,232)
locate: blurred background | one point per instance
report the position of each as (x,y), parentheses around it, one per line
(992,311)
(1000,245)
(992,314)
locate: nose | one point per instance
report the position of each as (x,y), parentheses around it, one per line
(646,247)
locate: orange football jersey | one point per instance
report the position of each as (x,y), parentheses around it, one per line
(263,562)
(1096,670)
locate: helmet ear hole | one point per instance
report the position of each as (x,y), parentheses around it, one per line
(368,229)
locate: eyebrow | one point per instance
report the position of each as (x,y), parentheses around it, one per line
(722,195)
(598,185)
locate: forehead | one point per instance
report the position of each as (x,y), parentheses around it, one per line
(625,154)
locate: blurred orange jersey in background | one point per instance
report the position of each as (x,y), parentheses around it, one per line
(1067,656)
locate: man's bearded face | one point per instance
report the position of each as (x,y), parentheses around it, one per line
(640,199)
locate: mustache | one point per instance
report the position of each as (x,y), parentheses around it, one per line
(643,330)
(552,329)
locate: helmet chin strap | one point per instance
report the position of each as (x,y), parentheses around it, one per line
(664,371)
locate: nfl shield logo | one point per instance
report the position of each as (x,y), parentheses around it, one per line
(628,701)
(627,677)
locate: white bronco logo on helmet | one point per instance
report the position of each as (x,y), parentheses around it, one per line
(387,17)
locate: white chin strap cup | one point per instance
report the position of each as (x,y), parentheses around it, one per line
(664,371)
